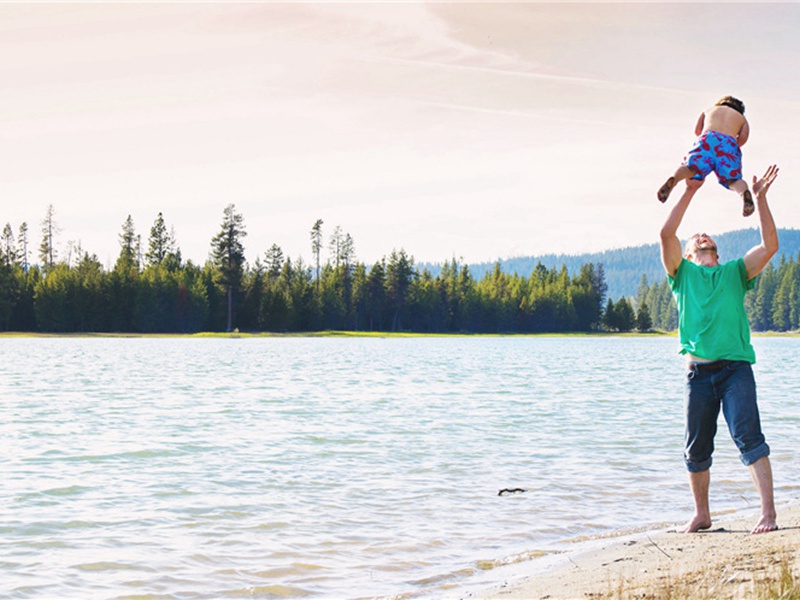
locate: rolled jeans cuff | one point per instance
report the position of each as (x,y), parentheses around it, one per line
(698,467)
(757,453)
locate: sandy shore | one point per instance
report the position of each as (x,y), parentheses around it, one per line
(725,562)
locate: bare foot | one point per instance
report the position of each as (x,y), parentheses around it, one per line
(765,524)
(665,190)
(748,208)
(696,524)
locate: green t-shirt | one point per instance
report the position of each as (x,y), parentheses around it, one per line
(712,322)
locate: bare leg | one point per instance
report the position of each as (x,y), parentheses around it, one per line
(680,174)
(699,482)
(740,186)
(761,472)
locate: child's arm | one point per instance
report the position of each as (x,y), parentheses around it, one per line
(744,133)
(698,128)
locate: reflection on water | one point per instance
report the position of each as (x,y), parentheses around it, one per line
(280,467)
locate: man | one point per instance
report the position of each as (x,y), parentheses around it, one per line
(715,337)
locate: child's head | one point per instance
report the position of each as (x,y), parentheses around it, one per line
(731,102)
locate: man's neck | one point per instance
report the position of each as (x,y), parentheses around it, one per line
(706,261)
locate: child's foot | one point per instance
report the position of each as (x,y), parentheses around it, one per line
(748,207)
(665,190)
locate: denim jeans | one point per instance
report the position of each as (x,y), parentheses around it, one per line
(731,386)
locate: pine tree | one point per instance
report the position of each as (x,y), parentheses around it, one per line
(47,249)
(399,274)
(359,296)
(643,321)
(609,318)
(375,296)
(8,295)
(129,247)
(316,245)
(670,307)
(160,244)
(587,292)
(661,303)
(227,252)
(641,293)
(759,301)
(8,251)
(335,245)
(254,286)
(601,287)
(22,240)
(784,308)
(274,260)
(625,317)
(348,251)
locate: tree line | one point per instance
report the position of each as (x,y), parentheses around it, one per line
(151,289)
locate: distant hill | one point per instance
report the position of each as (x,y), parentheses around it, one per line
(624,266)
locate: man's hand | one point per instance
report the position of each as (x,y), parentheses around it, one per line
(758,257)
(760,186)
(694,184)
(671,252)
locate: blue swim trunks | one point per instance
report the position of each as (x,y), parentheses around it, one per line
(718,152)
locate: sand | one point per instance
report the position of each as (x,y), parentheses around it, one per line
(726,561)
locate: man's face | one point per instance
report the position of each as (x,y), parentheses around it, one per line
(701,248)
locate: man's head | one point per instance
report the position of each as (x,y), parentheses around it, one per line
(701,250)
(731,102)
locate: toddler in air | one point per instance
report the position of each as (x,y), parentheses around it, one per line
(722,130)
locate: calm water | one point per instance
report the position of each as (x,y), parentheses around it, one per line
(344,468)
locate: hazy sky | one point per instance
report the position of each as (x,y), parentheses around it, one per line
(468,130)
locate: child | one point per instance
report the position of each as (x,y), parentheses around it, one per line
(722,131)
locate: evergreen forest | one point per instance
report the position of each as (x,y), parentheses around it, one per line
(151,289)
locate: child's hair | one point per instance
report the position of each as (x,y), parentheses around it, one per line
(731,102)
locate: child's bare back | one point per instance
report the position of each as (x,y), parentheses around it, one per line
(724,119)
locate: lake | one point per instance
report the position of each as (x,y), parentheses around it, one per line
(346,467)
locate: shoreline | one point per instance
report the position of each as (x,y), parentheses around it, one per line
(335,333)
(326,334)
(726,561)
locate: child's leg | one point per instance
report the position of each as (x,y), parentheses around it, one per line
(740,186)
(681,173)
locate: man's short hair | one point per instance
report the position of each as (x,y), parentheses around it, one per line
(731,102)
(689,246)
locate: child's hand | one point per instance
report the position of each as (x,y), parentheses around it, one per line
(760,186)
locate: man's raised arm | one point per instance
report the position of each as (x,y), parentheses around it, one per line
(758,256)
(671,251)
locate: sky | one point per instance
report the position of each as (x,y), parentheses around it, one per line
(474,131)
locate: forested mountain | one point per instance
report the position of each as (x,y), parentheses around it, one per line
(624,267)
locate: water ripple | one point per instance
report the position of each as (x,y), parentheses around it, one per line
(288,467)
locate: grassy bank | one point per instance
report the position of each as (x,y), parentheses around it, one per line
(766,576)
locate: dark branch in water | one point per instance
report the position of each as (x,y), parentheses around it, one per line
(510,491)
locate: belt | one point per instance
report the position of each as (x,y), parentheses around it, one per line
(710,366)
